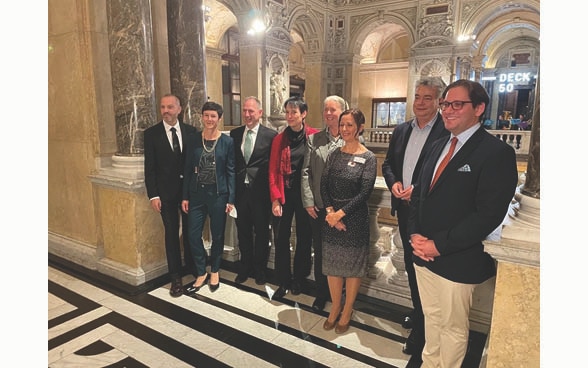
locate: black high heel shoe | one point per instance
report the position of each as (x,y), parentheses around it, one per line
(213,287)
(192,289)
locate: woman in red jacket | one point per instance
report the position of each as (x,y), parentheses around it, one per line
(285,169)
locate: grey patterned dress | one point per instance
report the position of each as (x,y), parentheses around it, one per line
(347,183)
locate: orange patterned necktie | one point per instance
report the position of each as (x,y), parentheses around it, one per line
(445,161)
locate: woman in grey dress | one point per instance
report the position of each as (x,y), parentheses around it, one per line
(346,184)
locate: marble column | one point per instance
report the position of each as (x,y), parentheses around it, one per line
(130,232)
(214,75)
(131,62)
(350,80)
(478,67)
(187,61)
(315,89)
(251,51)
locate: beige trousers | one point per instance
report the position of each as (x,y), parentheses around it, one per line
(446,305)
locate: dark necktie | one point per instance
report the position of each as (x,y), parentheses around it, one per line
(445,161)
(248,146)
(176,142)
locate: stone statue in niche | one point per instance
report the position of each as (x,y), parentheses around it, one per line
(278,91)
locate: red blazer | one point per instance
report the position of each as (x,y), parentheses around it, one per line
(276,179)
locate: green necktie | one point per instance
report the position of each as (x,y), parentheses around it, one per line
(248,147)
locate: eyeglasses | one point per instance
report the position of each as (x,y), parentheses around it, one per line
(455,105)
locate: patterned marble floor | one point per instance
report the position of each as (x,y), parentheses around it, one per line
(93,323)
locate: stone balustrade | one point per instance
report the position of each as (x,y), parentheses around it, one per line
(520,140)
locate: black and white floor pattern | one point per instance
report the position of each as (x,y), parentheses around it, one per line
(94,325)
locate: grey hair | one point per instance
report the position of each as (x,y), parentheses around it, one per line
(342,103)
(435,82)
(254,98)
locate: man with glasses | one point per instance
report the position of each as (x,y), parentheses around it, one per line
(407,145)
(462,194)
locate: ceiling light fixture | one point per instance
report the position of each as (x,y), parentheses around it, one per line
(467,37)
(259,22)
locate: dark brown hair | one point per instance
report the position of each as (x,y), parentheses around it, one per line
(358,118)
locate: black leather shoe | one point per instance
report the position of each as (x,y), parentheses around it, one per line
(176,288)
(280,292)
(414,343)
(190,289)
(260,278)
(296,288)
(407,322)
(319,304)
(241,279)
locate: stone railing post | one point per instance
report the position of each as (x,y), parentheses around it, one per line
(514,330)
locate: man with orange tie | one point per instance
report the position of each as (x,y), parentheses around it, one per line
(462,194)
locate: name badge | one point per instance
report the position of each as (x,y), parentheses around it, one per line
(360,160)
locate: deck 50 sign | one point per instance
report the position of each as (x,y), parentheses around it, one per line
(507,81)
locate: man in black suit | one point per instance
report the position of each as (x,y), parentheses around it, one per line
(462,194)
(252,202)
(408,146)
(164,165)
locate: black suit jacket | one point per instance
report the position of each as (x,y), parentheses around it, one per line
(163,171)
(394,162)
(258,166)
(469,200)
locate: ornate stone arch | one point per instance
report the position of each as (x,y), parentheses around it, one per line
(216,27)
(239,6)
(363,25)
(309,25)
(494,24)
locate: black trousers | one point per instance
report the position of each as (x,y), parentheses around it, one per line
(418,318)
(291,209)
(170,215)
(253,234)
(322,285)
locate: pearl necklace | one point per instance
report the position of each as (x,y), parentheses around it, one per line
(213,145)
